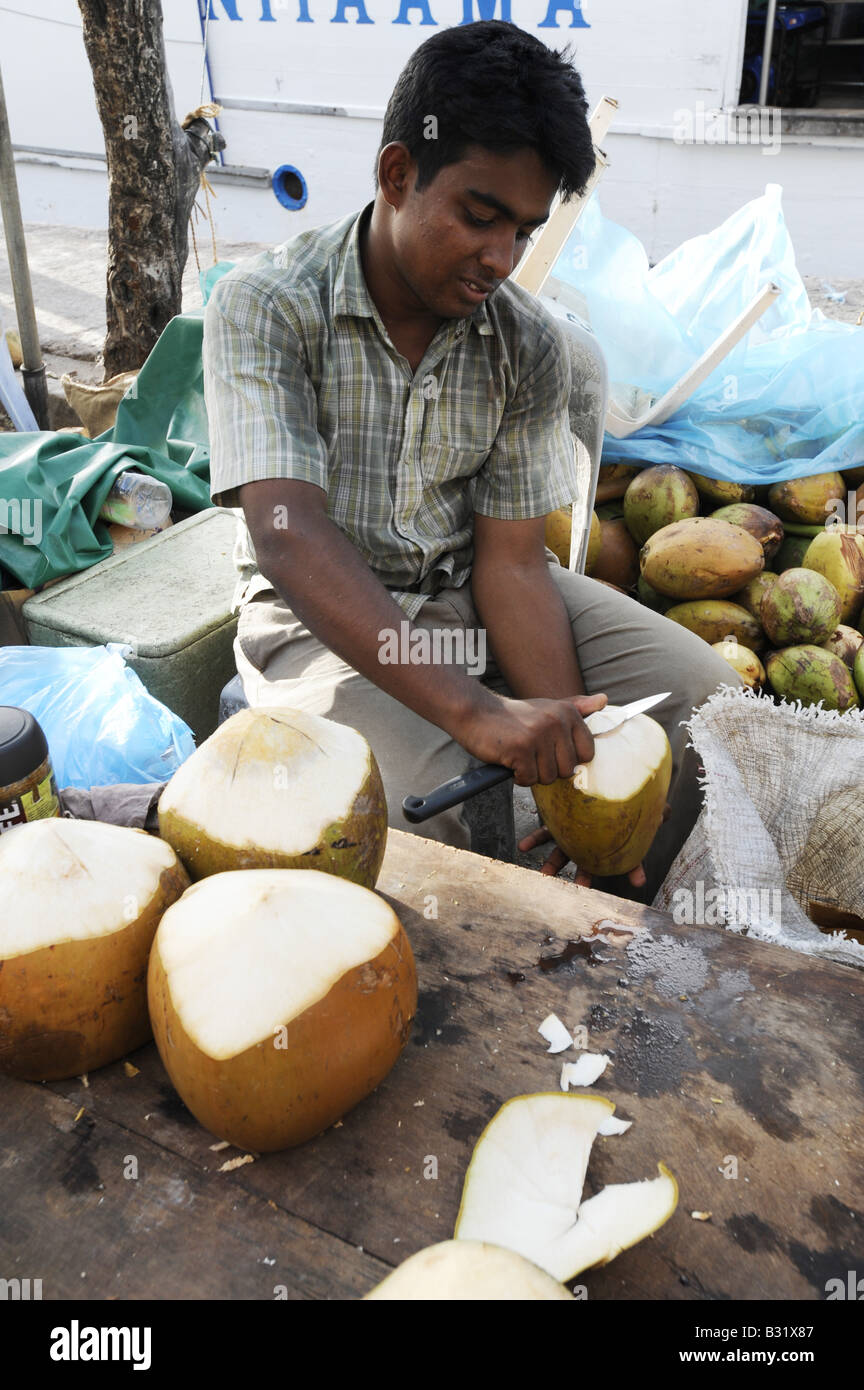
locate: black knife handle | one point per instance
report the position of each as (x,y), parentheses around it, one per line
(471,783)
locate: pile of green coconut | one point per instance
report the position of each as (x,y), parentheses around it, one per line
(772,577)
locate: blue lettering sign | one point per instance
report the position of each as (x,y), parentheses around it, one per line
(571,7)
(230,8)
(486,9)
(406,5)
(358,5)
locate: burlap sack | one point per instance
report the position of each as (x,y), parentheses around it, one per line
(96,406)
(782,826)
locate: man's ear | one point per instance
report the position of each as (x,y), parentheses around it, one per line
(397,173)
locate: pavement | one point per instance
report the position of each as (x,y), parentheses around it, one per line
(67,270)
(67,273)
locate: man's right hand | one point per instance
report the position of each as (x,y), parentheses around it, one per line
(328,585)
(540,739)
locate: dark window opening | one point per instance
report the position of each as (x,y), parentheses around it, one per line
(817,56)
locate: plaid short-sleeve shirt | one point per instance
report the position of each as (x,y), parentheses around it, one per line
(302,381)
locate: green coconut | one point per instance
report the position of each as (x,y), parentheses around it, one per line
(744,661)
(840,558)
(700,557)
(751,596)
(714,619)
(803,606)
(791,553)
(277,788)
(656,498)
(650,597)
(764,525)
(807,500)
(720,492)
(844,642)
(810,674)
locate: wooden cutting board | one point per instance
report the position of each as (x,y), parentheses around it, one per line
(739,1063)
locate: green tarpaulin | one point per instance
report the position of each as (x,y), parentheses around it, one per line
(53,485)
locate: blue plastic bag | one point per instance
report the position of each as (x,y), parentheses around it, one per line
(103,727)
(787,401)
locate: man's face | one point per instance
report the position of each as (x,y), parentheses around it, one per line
(471,224)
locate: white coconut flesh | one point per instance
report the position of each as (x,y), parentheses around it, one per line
(614,1126)
(246,952)
(624,759)
(290,786)
(72,880)
(464,1270)
(585,1072)
(523,1188)
(557,1036)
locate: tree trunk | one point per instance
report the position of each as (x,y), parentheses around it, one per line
(154,171)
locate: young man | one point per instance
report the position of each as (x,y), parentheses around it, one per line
(392,416)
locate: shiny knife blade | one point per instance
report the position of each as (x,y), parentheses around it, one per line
(629,711)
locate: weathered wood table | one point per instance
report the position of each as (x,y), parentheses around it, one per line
(739,1063)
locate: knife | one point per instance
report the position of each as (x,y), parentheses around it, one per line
(479,779)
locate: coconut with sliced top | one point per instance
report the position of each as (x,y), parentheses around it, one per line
(80,902)
(279,999)
(606,814)
(468,1270)
(523,1188)
(278,788)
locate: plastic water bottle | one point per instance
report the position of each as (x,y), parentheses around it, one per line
(137,501)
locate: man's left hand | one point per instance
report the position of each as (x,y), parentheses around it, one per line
(558,858)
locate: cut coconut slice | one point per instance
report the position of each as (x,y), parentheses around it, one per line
(615,1219)
(585,1071)
(80,902)
(614,1126)
(278,788)
(279,999)
(523,1188)
(553,1030)
(466,1270)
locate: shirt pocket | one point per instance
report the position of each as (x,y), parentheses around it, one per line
(465,427)
(457,443)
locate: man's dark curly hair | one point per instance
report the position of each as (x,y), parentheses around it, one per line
(491,84)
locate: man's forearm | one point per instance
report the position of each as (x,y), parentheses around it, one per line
(326,582)
(528,629)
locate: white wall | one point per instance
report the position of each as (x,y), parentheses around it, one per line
(657,59)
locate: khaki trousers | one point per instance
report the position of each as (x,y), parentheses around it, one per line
(624,650)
